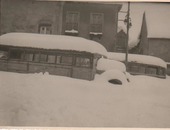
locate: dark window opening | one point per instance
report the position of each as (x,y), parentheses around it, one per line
(82,62)
(66,60)
(45,29)
(96,23)
(43,58)
(115,81)
(58,59)
(16,54)
(134,68)
(29,56)
(3,55)
(142,69)
(151,70)
(72,23)
(36,57)
(51,58)
(62,59)
(161,71)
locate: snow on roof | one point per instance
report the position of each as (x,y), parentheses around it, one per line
(157,18)
(71,31)
(45,41)
(158,22)
(144,59)
(107,64)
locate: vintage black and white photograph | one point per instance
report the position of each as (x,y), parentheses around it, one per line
(99,64)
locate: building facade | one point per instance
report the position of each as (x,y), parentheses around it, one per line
(95,21)
(121,41)
(30,16)
(151,45)
(158,46)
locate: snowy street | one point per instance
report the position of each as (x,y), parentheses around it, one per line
(84,64)
(47,100)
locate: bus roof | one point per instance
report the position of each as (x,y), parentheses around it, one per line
(143,59)
(45,41)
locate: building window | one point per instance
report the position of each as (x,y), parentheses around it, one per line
(83,62)
(45,29)
(72,23)
(96,23)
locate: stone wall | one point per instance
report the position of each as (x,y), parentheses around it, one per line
(26,15)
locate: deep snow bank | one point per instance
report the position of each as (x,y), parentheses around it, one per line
(46,100)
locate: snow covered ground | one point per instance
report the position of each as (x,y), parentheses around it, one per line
(47,100)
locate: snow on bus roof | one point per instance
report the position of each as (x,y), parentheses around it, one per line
(107,64)
(143,59)
(45,41)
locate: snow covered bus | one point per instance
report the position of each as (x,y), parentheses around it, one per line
(142,64)
(168,68)
(56,54)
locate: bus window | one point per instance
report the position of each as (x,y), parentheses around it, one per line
(58,60)
(51,59)
(82,61)
(29,56)
(161,71)
(16,54)
(3,55)
(142,69)
(43,57)
(134,68)
(36,57)
(66,60)
(151,70)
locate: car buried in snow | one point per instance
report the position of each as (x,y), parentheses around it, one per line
(112,71)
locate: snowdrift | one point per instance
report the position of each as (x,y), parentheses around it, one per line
(46,100)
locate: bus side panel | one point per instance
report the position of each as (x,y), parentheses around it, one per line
(82,73)
(168,69)
(35,68)
(51,69)
(3,65)
(16,66)
(59,71)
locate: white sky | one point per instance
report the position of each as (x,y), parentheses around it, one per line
(158,19)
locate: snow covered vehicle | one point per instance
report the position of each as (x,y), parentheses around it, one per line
(112,71)
(142,64)
(56,54)
(168,68)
